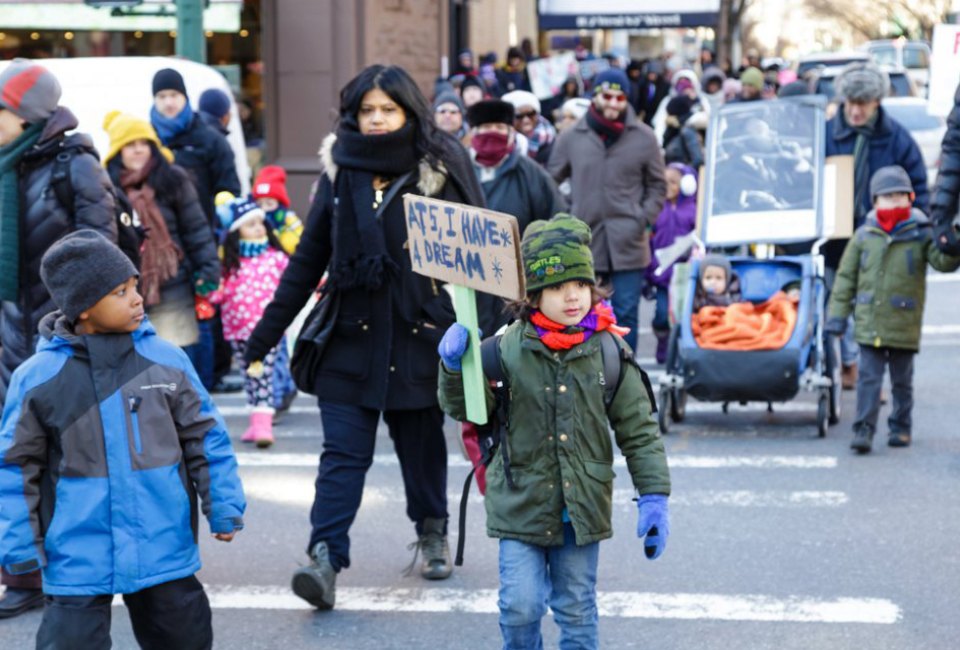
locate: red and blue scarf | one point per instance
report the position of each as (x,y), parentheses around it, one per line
(563,337)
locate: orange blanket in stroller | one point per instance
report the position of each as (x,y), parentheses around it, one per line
(747,326)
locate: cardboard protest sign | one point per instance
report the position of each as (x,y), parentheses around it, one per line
(464,245)
(944,69)
(474,250)
(548,74)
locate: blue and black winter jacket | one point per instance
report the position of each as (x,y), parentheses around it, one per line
(106,443)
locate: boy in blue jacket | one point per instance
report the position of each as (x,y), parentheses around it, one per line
(107,439)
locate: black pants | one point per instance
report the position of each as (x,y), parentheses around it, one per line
(349,436)
(171,615)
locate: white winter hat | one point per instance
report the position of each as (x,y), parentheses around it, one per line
(521,98)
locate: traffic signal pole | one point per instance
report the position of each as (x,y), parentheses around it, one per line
(191,43)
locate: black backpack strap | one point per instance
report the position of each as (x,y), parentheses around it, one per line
(493,371)
(60,181)
(615,358)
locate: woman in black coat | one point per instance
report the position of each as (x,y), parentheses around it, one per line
(179,256)
(382,355)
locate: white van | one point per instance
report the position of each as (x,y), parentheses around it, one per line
(94,86)
(914,56)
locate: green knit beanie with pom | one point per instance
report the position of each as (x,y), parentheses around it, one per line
(556,251)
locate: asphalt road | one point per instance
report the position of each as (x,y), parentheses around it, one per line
(779,539)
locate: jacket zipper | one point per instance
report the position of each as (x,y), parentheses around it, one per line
(133,402)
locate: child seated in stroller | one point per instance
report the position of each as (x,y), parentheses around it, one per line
(718,286)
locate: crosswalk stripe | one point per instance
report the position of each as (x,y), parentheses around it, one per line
(677,461)
(298,491)
(614,604)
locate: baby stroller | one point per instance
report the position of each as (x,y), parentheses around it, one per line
(737,219)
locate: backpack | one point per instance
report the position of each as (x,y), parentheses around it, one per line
(130,232)
(490,435)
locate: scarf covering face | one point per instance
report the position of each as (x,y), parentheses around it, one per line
(562,337)
(360,250)
(542,135)
(10,155)
(608,130)
(160,259)
(491,147)
(169,128)
(889,218)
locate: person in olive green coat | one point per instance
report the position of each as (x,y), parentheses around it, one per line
(560,454)
(882,279)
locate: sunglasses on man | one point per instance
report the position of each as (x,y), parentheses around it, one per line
(613,98)
(526,115)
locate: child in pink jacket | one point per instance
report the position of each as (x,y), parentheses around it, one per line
(253,262)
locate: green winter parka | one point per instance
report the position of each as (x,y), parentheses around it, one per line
(882,280)
(560,447)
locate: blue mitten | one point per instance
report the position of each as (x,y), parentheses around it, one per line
(653,524)
(453,345)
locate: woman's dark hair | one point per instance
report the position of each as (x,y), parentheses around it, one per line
(400,86)
(523,309)
(231,249)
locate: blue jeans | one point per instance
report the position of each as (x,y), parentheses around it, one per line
(565,577)
(627,287)
(661,317)
(201,354)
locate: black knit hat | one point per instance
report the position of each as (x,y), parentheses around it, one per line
(82,268)
(468,81)
(168,79)
(490,111)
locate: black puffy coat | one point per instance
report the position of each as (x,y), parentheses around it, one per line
(186,223)
(524,189)
(944,198)
(383,351)
(43,221)
(204,152)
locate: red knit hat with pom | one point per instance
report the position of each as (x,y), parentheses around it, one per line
(272,182)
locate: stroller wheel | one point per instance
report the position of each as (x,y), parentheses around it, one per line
(678,404)
(823,413)
(663,412)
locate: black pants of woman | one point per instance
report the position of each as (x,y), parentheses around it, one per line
(349,437)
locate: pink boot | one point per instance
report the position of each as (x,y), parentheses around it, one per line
(260,430)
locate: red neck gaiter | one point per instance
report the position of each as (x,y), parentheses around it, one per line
(491,147)
(889,218)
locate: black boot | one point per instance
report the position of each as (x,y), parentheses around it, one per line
(17,601)
(663,341)
(862,440)
(433,544)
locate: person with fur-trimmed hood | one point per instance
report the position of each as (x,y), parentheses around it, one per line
(381,357)
(33,133)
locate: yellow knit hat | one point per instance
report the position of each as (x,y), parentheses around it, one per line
(124,128)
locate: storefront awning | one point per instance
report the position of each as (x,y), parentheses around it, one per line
(626,14)
(219,16)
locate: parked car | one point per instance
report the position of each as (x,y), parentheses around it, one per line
(928,130)
(900,84)
(811,62)
(912,56)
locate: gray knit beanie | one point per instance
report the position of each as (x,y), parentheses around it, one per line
(891,179)
(29,91)
(718,261)
(82,268)
(862,82)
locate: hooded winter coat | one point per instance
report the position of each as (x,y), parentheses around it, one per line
(560,447)
(882,279)
(43,221)
(382,354)
(105,444)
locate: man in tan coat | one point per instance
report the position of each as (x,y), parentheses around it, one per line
(616,173)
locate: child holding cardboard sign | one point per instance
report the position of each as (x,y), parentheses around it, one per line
(555,507)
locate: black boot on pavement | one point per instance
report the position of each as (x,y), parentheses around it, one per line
(17,601)
(436,563)
(317,583)
(862,440)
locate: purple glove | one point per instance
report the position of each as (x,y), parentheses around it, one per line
(453,345)
(653,524)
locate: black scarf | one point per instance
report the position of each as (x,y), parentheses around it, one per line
(861,165)
(360,250)
(608,130)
